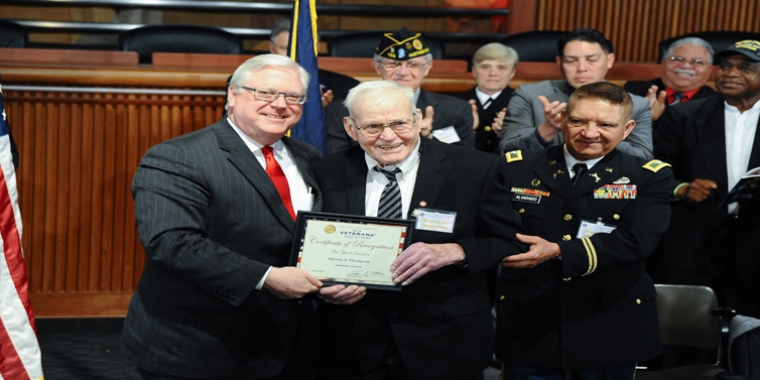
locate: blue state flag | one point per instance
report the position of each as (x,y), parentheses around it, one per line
(303,49)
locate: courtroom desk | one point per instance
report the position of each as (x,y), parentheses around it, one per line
(83,127)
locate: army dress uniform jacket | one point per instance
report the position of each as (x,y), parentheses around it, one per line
(486,138)
(595,306)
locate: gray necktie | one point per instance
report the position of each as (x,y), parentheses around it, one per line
(579,169)
(390,200)
(677,97)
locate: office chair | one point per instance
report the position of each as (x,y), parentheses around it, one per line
(363,44)
(536,46)
(744,347)
(13,35)
(691,328)
(149,39)
(719,41)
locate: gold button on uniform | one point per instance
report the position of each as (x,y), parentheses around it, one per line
(487,128)
(568,217)
(566,237)
(616,216)
(501,298)
(638,301)
(521,211)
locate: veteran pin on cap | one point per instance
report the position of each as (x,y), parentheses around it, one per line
(401,45)
(749,48)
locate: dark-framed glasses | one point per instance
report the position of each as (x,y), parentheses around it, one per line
(680,59)
(268,95)
(410,65)
(375,129)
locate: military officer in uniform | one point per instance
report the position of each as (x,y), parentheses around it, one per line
(584,308)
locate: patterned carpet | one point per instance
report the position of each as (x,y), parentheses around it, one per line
(83,349)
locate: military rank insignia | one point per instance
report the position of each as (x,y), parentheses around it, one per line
(655,165)
(528,195)
(616,191)
(515,155)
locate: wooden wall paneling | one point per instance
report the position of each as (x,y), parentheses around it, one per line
(96,195)
(86,180)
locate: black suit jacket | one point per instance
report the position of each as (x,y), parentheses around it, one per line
(594,307)
(442,323)
(211,223)
(338,83)
(485,138)
(692,137)
(449,111)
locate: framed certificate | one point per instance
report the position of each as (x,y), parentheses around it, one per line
(349,249)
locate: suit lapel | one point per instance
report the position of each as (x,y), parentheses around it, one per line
(425,100)
(355,175)
(601,174)
(710,133)
(302,163)
(754,158)
(432,172)
(243,159)
(553,173)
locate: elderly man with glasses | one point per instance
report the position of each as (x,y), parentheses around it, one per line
(686,66)
(439,326)
(403,57)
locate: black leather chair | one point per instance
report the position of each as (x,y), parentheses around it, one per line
(363,44)
(718,40)
(536,46)
(13,35)
(691,326)
(147,40)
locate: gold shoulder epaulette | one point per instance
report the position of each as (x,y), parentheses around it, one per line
(515,155)
(655,165)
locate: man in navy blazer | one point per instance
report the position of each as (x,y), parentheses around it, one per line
(215,213)
(439,326)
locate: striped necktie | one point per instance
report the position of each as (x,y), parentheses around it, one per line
(390,199)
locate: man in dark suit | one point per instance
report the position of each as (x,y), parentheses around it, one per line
(584,309)
(533,120)
(686,67)
(214,211)
(711,144)
(493,66)
(403,58)
(439,326)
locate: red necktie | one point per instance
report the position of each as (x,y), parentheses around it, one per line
(275,173)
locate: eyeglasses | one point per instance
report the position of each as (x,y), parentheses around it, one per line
(267,95)
(694,62)
(375,129)
(411,66)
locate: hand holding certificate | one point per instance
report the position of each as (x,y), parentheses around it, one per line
(349,249)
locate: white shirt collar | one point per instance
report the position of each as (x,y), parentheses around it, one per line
(483,97)
(571,161)
(404,165)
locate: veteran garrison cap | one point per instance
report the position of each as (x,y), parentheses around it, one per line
(401,45)
(749,48)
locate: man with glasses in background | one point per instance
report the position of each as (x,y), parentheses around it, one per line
(686,66)
(215,212)
(404,58)
(439,326)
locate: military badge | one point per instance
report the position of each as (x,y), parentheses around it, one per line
(616,191)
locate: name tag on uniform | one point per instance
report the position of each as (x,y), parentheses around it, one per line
(448,135)
(532,196)
(589,228)
(436,220)
(615,191)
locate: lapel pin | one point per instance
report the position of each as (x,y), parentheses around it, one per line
(609,170)
(423,203)
(535,182)
(558,173)
(596,177)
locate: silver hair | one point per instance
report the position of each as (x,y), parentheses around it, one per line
(377,92)
(496,51)
(690,41)
(260,62)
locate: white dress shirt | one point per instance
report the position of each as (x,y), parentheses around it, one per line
(376,182)
(571,161)
(483,97)
(740,134)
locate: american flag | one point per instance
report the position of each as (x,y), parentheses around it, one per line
(20,357)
